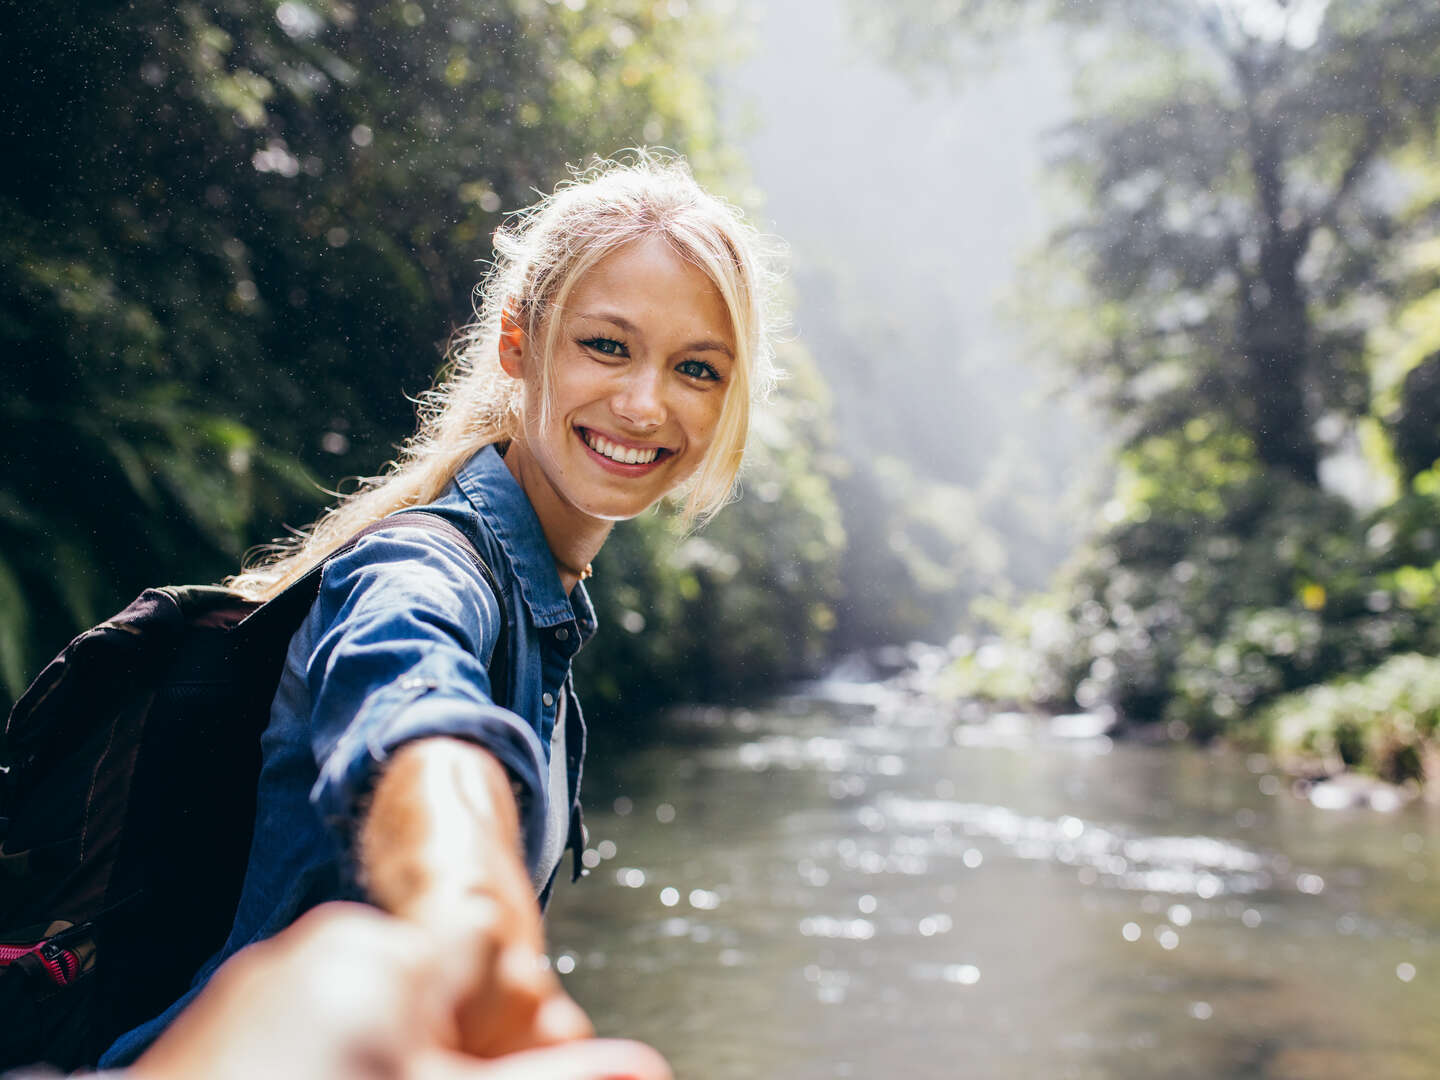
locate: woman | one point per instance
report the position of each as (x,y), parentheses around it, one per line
(620,339)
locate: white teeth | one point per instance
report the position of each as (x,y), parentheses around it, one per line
(624,455)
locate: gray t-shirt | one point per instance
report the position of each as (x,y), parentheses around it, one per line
(557,817)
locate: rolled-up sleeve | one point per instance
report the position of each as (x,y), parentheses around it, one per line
(406,626)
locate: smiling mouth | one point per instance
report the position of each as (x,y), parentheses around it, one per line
(621,455)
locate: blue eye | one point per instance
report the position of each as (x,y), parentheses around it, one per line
(698,369)
(605,346)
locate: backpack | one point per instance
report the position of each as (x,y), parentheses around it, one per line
(128,775)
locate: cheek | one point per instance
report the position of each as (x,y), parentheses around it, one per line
(538,418)
(715,408)
(576,383)
(703,421)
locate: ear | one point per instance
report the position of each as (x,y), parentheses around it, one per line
(511,345)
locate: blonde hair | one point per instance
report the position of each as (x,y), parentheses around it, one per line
(540,254)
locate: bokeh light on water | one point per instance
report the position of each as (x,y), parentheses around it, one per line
(841,888)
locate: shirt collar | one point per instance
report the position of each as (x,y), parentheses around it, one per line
(584,613)
(500,502)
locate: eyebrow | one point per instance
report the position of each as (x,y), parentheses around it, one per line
(704,345)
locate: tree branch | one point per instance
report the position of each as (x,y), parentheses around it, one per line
(1363,156)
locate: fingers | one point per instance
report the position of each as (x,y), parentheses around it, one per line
(521,1006)
(503,996)
(560,1020)
(590,1059)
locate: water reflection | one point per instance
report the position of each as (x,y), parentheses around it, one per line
(858,886)
(1200,866)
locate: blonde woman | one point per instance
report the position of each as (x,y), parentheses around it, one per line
(620,340)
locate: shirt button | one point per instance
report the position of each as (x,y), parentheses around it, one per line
(561,634)
(548,698)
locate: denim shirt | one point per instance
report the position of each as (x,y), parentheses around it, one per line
(394,649)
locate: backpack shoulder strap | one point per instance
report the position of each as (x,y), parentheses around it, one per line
(422,519)
(298,598)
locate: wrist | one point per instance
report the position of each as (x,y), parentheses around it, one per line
(443,826)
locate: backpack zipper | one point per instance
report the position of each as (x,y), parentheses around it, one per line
(60,964)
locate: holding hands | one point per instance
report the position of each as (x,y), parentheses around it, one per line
(347,993)
(455,988)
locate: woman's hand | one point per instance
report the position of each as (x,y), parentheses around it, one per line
(440,847)
(347,993)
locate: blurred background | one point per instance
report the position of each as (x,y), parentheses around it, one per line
(1059,696)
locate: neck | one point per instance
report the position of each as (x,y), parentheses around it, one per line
(574,538)
(570,576)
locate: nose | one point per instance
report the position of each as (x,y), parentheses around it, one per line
(640,399)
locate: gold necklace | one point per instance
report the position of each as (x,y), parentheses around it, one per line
(583,574)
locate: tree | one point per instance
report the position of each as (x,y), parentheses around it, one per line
(1235,202)
(1243,209)
(1405,351)
(240,238)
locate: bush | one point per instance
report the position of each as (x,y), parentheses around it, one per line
(1383,722)
(1200,611)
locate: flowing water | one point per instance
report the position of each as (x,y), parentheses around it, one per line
(869,888)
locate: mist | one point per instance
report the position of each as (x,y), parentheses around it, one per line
(911,204)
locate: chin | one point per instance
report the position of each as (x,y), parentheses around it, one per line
(607,503)
(611,512)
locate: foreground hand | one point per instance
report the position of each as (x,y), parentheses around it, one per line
(350,994)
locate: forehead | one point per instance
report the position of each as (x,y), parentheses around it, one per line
(650,284)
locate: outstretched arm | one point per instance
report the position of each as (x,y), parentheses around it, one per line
(440,846)
(416,762)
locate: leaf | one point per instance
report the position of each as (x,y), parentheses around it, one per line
(14,632)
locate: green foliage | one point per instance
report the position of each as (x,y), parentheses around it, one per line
(1254,190)
(1230,233)
(1383,722)
(1405,351)
(998,671)
(240,238)
(1185,615)
(918,552)
(945,492)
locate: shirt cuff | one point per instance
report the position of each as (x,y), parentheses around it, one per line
(417,708)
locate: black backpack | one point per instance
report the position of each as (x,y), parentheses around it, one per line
(128,775)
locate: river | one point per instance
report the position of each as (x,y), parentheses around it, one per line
(856,884)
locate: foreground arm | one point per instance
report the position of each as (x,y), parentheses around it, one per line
(347,992)
(440,846)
